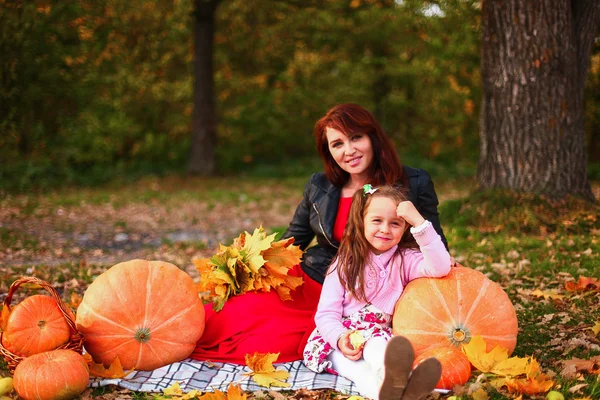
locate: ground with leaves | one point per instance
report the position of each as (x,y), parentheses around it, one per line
(545,255)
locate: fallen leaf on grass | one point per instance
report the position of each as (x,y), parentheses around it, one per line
(263,371)
(529,386)
(583,283)
(577,388)
(547,294)
(596,328)
(573,366)
(114,371)
(479,394)
(479,358)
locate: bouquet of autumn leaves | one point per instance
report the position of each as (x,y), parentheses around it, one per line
(254,262)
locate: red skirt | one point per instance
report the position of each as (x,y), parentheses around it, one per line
(260,322)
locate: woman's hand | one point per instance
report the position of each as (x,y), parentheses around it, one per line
(347,349)
(407,211)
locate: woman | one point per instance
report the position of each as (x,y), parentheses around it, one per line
(355,151)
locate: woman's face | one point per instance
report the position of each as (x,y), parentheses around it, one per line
(353,153)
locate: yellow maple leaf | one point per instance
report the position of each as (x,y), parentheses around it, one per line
(263,371)
(253,246)
(235,392)
(595,328)
(479,358)
(113,371)
(513,366)
(479,394)
(173,390)
(547,294)
(533,368)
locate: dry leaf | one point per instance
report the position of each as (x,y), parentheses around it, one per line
(583,283)
(216,395)
(596,328)
(114,371)
(479,394)
(479,358)
(173,390)
(547,294)
(577,388)
(235,392)
(263,371)
(529,386)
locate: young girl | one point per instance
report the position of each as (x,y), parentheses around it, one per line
(386,244)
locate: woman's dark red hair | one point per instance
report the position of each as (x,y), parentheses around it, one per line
(349,118)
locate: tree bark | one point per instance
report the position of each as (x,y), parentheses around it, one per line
(535,57)
(204,119)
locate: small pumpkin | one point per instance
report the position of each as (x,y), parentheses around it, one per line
(456,368)
(449,311)
(146,313)
(53,375)
(35,325)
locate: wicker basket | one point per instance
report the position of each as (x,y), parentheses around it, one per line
(75,342)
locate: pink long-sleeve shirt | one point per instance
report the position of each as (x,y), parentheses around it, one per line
(385,278)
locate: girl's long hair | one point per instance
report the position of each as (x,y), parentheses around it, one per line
(354,250)
(348,118)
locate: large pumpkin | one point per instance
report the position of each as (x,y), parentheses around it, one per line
(456,368)
(53,375)
(451,310)
(35,325)
(147,313)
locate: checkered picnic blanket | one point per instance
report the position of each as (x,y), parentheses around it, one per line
(209,376)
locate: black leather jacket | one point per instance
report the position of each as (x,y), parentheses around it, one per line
(316,213)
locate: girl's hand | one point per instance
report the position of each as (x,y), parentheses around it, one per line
(407,211)
(347,349)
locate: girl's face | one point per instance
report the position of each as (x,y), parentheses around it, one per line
(353,152)
(383,227)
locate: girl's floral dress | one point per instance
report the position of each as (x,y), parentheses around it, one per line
(369,320)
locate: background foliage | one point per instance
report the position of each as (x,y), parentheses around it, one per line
(92,90)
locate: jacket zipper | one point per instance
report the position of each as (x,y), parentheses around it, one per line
(321,226)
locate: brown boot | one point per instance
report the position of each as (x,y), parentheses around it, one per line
(398,361)
(423,379)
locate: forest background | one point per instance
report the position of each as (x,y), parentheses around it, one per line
(93,91)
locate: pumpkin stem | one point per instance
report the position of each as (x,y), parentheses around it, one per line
(142,335)
(41,324)
(460,335)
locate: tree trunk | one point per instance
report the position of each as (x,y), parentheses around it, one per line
(204,120)
(535,57)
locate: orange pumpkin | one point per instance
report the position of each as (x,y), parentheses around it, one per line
(35,325)
(456,368)
(147,313)
(450,310)
(53,375)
